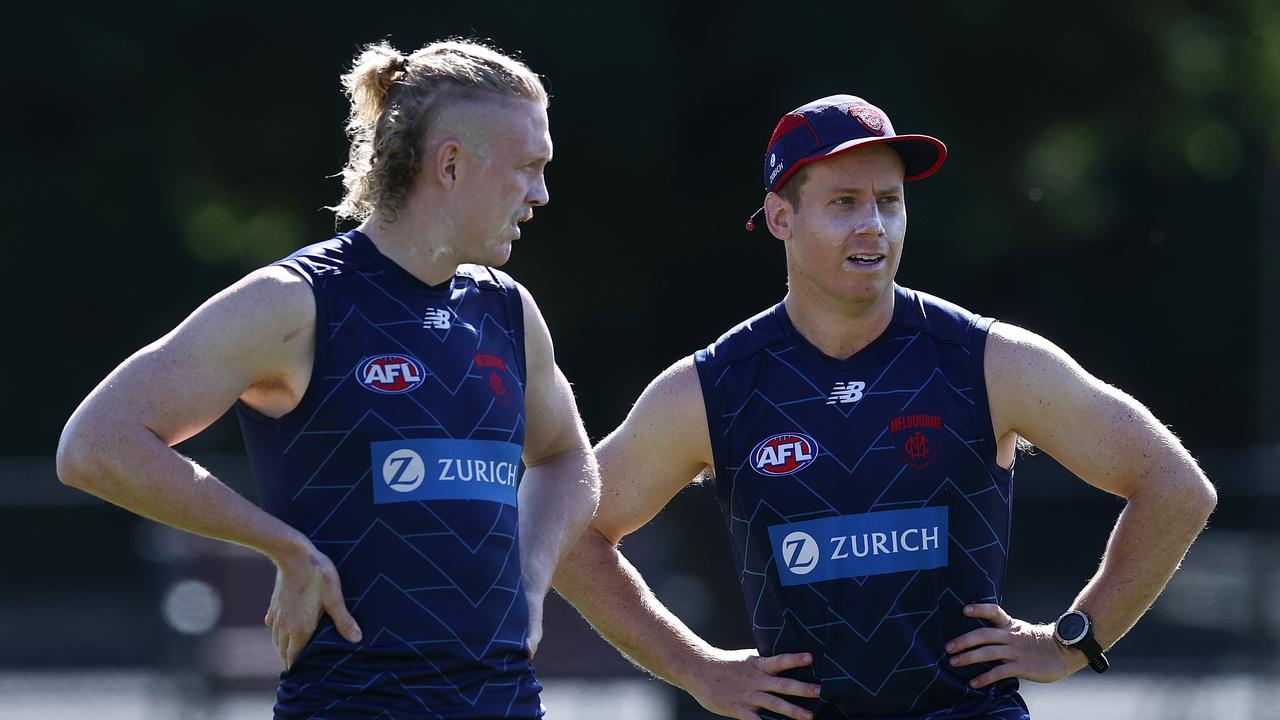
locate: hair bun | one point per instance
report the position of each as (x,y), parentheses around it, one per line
(383,162)
(396,67)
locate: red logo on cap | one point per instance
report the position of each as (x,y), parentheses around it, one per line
(869,117)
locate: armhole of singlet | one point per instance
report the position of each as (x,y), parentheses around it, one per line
(979,331)
(711,407)
(319,357)
(515,308)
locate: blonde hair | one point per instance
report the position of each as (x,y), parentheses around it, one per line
(395,102)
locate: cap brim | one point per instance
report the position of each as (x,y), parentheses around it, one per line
(922,155)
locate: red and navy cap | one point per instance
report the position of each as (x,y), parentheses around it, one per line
(837,124)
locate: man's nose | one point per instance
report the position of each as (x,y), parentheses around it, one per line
(869,222)
(539,195)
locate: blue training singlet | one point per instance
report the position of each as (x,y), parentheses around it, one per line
(401,464)
(864,505)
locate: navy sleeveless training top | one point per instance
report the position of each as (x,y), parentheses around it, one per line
(864,505)
(401,464)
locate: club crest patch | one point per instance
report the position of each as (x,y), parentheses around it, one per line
(918,438)
(869,117)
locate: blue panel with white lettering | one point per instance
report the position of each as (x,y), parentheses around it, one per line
(412,470)
(848,546)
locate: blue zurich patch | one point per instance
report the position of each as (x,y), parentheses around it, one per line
(848,546)
(412,470)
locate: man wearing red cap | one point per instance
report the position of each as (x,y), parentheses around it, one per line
(862,438)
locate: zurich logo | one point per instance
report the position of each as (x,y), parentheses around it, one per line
(784,454)
(391,374)
(800,552)
(403,470)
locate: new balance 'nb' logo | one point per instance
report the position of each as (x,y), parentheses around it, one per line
(436,318)
(847,392)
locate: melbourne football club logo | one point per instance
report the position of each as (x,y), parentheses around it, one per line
(869,117)
(403,470)
(500,392)
(784,454)
(391,374)
(918,438)
(800,553)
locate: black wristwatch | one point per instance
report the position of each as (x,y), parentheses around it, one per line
(1074,630)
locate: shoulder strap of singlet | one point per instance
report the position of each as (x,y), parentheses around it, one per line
(713,363)
(486,278)
(494,280)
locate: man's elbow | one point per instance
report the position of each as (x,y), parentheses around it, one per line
(78,462)
(72,462)
(1204,497)
(1194,498)
(1185,495)
(588,551)
(604,536)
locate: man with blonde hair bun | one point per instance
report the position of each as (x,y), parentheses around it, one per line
(862,438)
(399,400)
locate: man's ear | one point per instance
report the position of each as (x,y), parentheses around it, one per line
(779,215)
(448,163)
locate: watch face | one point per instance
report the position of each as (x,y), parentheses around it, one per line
(1071,628)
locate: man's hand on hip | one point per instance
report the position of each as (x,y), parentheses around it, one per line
(737,683)
(306,586)
(1022,649)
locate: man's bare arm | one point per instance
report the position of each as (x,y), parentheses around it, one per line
(561,485)
(1111,441)
(118,443)
(663,445)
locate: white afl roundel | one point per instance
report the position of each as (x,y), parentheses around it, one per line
(784,454)
(391,374)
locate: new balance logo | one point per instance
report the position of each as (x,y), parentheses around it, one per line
(436,319)
(846,392)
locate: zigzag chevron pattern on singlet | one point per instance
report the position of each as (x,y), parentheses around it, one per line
(400,465)
(864,505)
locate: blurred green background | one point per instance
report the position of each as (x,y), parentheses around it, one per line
(1113,184)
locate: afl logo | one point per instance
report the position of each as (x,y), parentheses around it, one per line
(390,374)
(800,552)
(784,454)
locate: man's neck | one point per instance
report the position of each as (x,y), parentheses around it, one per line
(421,247)
(838,327)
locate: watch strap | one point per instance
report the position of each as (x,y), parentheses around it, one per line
(1092,650)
